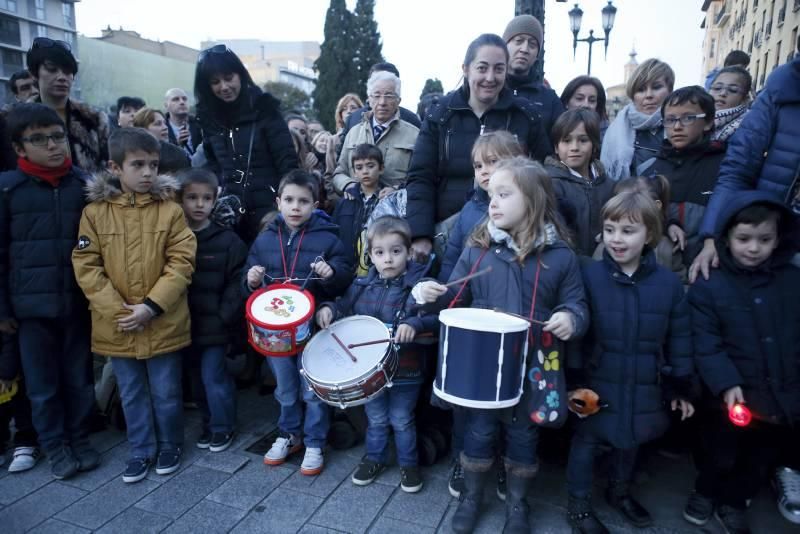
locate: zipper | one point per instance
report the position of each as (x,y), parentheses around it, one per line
(133,199)
(447,144)
(379,305)
(60,276)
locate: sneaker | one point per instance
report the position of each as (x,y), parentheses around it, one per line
(732,520)
(456,483)
(787,485)
(312,462)
(168,462)
(24,458)
(410,479)
(204,441)
(221,441)
(501,483)
(136,470)
(699,509)
(366,472)
(284,446)
(63,464)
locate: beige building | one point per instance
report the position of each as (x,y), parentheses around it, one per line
(765,29)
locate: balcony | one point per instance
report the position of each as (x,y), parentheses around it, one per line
(722,17)
(781,16)
(768,30)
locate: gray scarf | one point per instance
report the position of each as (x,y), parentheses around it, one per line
(618,144)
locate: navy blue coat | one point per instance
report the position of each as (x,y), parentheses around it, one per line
(470,215)
(640,335)
(545,101)
(38,230)
(746,325)
(764,153)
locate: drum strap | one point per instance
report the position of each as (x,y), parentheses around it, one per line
(464,284)
(535,287)
(289,274)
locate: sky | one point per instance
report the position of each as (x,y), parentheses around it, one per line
(426,38)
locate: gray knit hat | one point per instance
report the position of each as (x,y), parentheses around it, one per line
(524,24)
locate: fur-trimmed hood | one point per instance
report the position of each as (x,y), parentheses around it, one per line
(106,187)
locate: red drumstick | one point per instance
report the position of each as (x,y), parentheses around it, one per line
(339,341)
(468,277)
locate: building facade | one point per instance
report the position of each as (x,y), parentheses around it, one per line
(616,95)
(765,29)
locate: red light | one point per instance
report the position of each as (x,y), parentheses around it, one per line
(740,415)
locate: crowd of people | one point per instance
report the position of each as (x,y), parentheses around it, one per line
(661,247)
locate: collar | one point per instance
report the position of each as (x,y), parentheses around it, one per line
(394,118)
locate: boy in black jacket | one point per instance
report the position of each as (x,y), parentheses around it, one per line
(215,304)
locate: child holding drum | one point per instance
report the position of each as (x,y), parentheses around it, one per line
(534,274)
(385,293)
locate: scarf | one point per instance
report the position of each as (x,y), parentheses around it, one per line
(504,238)
(618,144)
(726,121)
(51,175)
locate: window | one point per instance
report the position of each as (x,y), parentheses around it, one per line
(777,53)
(755,74)
(712,50)
(38,30)
(68,10)
(38,9)
(8,5)
(12,62)
(9,31)
(70,38)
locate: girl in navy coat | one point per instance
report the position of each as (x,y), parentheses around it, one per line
(521,241)
(639,316)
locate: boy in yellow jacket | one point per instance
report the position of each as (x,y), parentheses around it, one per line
(134,261)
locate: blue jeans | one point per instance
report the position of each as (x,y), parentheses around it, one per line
(152,401)
(57,364)
(291,392)
(217,396)
(580,469)
(394,406)
(484,429)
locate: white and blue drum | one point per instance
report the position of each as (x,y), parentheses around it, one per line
(482,358)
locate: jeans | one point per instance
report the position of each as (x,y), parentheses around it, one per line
(291,392)
(216,399)
(18,409)
(393,407)
(57,364)
(580,468)
(152,401)
(459,421)
(482,431)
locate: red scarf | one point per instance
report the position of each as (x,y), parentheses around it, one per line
(51,175)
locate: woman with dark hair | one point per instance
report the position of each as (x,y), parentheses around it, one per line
(587,92)
(245,138)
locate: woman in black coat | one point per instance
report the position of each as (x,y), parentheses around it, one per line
(245,139)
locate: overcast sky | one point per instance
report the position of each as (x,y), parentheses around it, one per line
(425,38)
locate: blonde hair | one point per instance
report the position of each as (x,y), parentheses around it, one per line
(330,150)
(638,207)
(648,72)
(346,99)
(146,116)
(502,144)
(540,208)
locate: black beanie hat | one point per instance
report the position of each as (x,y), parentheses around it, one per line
(56,53)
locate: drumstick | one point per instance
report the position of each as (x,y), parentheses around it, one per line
(468,277)
(534,321)
(379,341)
(339,341)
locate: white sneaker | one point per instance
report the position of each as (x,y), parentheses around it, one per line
(24,458)
(282,448)
(312,462)
(787,485)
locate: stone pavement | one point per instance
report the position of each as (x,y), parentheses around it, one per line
(234,491)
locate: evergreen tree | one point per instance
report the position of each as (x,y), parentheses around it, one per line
(432,85)
(368,46)
(292,99)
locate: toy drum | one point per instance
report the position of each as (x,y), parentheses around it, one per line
(482,358)
(279,319)
(332,373)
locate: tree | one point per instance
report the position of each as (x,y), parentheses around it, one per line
(368,46)
(432,85)
(292,98)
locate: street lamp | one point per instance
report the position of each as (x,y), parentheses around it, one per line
(575,16)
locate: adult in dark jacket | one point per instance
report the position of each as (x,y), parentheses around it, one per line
(440,174)
(246,141)
(184,130)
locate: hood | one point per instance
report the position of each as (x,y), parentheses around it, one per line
(319,221)
(787,79)
(558,169)
(105,187)
(647,264)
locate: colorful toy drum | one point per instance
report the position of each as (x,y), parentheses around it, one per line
(279,319)
(482,357)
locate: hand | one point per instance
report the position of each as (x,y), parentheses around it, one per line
(183,135)
(405,334)
(324,317)
(733,396)
(139,316)
(255,276)
(421,249)
(350,191)
(383,193)
(677,236)
(430,291)
(9,326)
(686,408)
(560,325)
(706,259)
(324,270)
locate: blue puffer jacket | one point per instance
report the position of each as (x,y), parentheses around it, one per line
(640,335)
(470,215)
(764,153)
(746,324)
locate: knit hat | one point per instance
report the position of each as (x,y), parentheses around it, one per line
(524,24)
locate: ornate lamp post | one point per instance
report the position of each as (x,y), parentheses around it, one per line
(575,16)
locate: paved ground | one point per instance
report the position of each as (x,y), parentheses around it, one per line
(233,491)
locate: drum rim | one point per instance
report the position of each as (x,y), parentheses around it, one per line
(467,403)
(286,326)
(448,318)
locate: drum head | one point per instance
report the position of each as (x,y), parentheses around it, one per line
(482,320)
(325,361)
(280,307)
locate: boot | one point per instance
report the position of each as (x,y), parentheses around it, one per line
(519,479)
(581,518)
(619,497)
(476,473)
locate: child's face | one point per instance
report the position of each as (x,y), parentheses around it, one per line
(368,173)
(575,149)
(507,207)
(484,167)
(43,145)
(296,204)
(198,201)
(681,136)
(126,114)
(138,170)
(389,254)
(728,90)
(624,240)
(752,245)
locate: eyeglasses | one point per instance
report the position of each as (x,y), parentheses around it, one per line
(216,49)
(686,120)
(730,89)
(388,97)
(42,139)
(46,42)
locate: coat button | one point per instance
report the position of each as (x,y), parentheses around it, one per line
(497,251)
(768,339)
(757,300)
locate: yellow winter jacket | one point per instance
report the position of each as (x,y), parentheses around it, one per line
(134,247)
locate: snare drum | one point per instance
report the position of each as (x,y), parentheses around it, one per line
(482,358)
(279,319)
(334,376)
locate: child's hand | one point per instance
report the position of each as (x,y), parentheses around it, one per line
(677,236)
(139,316)
(255,276)
(686,408)
(560,325)
(405,334)
(428,291)
(324,317)
(733,396)
(383,193)
(351,191)
(9,326)
(322,268)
